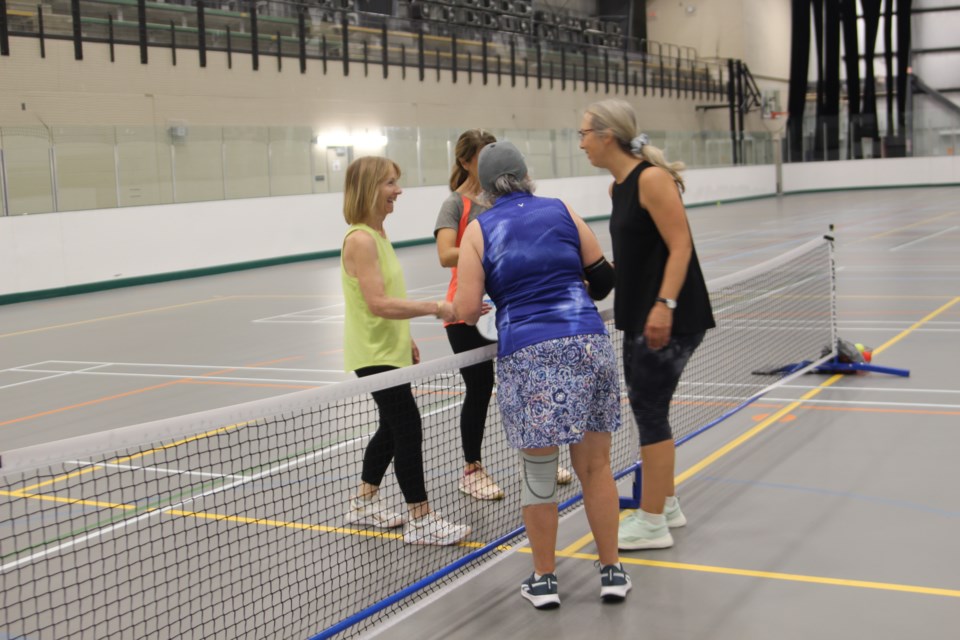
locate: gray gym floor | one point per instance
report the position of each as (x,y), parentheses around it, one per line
(827,509)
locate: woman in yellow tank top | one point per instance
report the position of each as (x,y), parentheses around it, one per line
(377,339)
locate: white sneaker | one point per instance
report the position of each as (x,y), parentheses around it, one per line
(372,513)
(480,485)
(564,476)
(432,529)
(636,533)
(675,517)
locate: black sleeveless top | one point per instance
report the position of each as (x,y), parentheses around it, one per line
(640,258)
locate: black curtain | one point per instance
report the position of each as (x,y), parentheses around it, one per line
(868,113)
(904,14)
(799,71)
(888,61)
(831,78)
(851,52)
(819,129)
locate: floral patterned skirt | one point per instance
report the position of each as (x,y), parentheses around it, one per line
(551,392)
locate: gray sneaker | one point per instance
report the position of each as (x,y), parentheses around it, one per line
(614,583)
(432,529)
(542,592)
(637,533)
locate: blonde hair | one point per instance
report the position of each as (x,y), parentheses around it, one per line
(361,189)
(468,145)
(620,119)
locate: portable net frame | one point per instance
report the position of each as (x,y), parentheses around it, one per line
(229,523)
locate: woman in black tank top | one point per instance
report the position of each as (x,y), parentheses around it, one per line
(661,301)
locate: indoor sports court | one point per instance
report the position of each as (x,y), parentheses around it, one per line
(827,498)
(183,455)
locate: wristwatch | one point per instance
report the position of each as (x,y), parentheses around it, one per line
(671,304)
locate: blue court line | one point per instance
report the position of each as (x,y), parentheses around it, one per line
(889,502)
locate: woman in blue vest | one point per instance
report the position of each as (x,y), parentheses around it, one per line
(556,364)
(661,301)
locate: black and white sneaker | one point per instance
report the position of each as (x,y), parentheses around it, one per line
(542,591)
(614,583)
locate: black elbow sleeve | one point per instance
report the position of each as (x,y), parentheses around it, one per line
(600,278)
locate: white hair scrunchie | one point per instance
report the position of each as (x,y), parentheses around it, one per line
(638,143)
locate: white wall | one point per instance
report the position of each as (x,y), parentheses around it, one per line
(891,172)
(49,251)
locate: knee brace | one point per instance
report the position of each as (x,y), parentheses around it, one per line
(539,479)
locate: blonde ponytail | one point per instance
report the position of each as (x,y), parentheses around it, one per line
(619,118)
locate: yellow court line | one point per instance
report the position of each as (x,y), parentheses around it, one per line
(897,338)
(909,226)
(19,493)
(773,575)
(228,518)
(113,317)
(303,526)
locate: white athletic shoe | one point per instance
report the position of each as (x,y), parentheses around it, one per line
(372,513)
(432,529)
(675,517)
(636,533)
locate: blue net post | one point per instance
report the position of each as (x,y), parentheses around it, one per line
(633,500)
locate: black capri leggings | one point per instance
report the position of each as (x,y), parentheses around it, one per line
(478,380)
(652,378)
(399,438)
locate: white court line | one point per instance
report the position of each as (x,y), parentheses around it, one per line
(835,388)
(169,376)
(132,374)
(918,240)
(159,365)
(900,323)
(17,384)
(59,374)
(122,524)
(832,388)
(105,465)
(859,403)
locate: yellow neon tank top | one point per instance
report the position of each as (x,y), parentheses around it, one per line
(370,340)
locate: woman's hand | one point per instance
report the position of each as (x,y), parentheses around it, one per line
(657,330)
(414,351)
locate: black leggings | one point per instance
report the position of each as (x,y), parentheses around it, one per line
(478,380)
(399,438)
(652,377)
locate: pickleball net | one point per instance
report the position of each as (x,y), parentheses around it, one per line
(230,523)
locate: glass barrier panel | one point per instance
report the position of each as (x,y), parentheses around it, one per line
(246,169)
(436,155)
(196,154)
(86,165)
(541,153)
(402,149)
(290,156)
(143,166)
(28,158)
